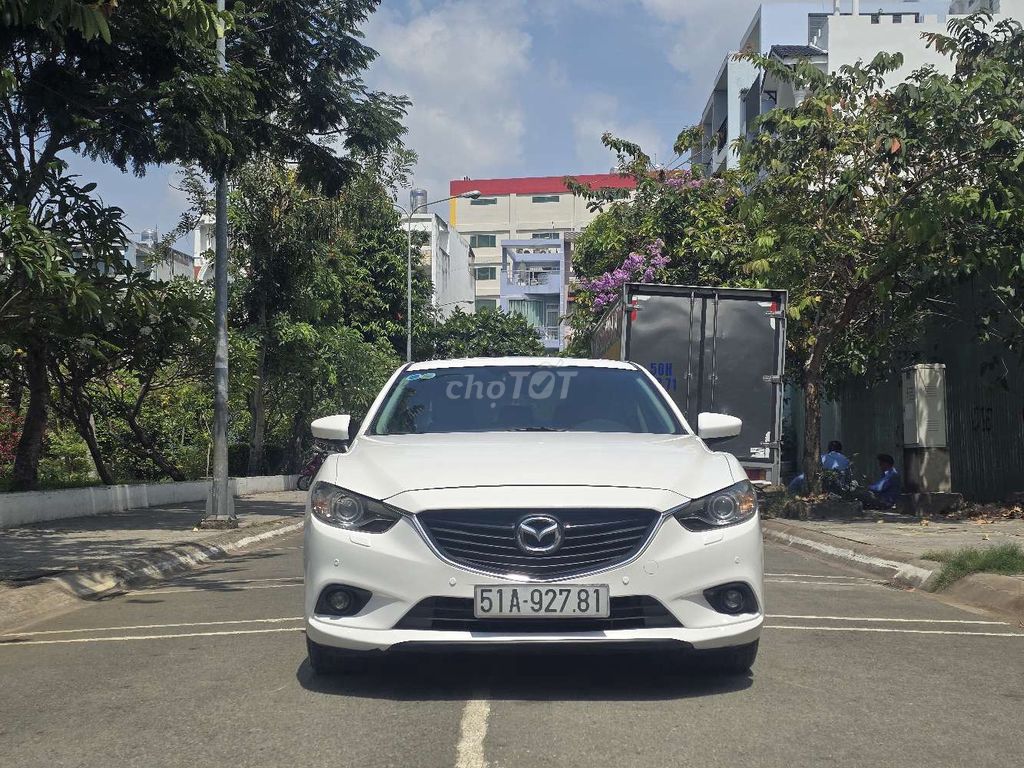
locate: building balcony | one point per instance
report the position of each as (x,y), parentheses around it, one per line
(549,336)
(524,282)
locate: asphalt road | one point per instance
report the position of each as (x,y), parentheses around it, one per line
(209,670)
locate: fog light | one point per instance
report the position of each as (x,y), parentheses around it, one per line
(341,600)
(732,600)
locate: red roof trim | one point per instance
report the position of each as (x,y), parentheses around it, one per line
(539,185)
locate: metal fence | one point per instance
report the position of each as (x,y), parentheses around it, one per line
(984,401)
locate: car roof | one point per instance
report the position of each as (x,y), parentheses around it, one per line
(534,362)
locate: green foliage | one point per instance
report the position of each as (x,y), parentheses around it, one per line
(487,333)
(692,218)
(1006,559)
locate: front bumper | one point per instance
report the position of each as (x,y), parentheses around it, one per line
(400,570)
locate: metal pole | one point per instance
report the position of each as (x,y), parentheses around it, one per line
(408,289)
(220,510)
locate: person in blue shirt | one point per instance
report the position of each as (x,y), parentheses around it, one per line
(885,491)
(837,471)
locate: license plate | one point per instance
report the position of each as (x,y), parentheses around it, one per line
(533,601)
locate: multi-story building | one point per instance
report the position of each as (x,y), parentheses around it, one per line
(518,209)
(450,259)
(792,31)
(532,284)
(161,264)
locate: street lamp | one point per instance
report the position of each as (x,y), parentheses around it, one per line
(471,195)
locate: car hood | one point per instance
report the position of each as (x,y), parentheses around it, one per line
(384,466)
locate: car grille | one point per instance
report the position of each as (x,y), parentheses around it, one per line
(456,614)
(484,540)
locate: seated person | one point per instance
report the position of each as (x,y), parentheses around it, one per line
(885,491)
(837,471)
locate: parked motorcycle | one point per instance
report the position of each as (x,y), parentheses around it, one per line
(311,467)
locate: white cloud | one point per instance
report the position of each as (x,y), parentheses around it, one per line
(699,34)
(462,63)
(602,113)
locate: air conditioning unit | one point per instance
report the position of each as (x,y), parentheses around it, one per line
(924,406)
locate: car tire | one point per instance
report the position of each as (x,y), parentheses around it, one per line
(733,661)
(325,660)
(304,481)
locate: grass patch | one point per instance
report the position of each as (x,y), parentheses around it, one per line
(1007,559)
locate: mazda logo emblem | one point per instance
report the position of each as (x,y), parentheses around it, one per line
(539,534)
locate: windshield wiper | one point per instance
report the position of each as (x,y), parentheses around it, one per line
(537,429)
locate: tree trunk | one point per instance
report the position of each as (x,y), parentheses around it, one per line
(30,446)
(152,451)
(812,435)
(256,404)
(86,427)
(298,430)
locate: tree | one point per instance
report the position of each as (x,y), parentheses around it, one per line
(865,203)
(135,84)
(677,228)
(487,333)
(308,267)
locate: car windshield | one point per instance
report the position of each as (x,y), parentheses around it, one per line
(524,399)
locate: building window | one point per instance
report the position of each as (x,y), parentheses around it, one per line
(486,273)
(544,235)
(484,201)
(545,198)
(486,304)
(483,241)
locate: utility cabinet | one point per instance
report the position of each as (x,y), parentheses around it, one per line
(925,433)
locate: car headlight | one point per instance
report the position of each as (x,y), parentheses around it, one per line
(728,506)
(341,508)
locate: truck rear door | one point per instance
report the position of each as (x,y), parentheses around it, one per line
(716,349)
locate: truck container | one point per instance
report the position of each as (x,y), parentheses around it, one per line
(720,350)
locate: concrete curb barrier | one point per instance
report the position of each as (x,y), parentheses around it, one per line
(42,506)
(897,567)
(1003,595)
(20,606)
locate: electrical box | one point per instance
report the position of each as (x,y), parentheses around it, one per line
(924,406)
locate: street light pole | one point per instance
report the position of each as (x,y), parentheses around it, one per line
(471,195)
(220,508)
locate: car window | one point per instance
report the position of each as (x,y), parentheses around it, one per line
(526,398)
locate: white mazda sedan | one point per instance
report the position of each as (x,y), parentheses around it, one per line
(534,502)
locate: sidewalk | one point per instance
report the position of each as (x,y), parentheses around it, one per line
(894,548)
(907,534)
(48,566)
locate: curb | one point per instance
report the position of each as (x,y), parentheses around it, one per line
(896,567)
(988,591)
(20,606)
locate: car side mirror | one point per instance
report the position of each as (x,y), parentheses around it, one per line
(717,426)
(334,430)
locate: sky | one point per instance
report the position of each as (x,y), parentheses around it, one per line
(516,87)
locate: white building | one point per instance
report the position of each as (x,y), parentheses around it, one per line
(519,209)
(161,266)
(203,244)
(450,258)
(793,31)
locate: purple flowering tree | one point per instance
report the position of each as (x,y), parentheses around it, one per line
(639,267)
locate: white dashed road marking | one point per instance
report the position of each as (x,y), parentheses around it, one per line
(127,638)
(874,618)
(472,730)
(898,631)
(153,626)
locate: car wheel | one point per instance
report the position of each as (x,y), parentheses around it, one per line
(324,660)
(733,661)
(304,481)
